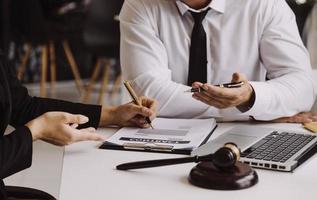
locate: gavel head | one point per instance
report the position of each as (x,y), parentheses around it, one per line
(226,156)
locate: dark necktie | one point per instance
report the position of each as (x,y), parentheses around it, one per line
(198,51)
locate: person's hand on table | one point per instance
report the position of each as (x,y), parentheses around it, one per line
(129,114)
(242,97)
(303,117)
(60,128)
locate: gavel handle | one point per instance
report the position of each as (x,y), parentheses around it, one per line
(156,163)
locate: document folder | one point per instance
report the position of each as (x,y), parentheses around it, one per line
(178,136)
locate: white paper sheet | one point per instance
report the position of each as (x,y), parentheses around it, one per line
(176,133)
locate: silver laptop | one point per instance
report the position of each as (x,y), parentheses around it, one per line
(265,147)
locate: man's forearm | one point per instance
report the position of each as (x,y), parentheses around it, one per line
(285,96)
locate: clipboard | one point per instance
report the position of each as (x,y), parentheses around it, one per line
(159,145)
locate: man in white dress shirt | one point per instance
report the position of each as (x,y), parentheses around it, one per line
(255,41)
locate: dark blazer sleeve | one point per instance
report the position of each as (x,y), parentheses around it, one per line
(16,152)
(16,148)
(25,108)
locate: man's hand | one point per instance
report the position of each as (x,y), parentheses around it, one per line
(304,117)
(59,128)
(242,97)
(129,114)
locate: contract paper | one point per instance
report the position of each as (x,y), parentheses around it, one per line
(175,133)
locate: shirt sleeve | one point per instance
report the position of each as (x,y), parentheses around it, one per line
(16,152)
(144,61)
(290,88)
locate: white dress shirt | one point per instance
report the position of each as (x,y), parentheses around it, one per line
(258,38)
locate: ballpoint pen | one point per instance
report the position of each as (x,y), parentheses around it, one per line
(135,99)
(224,85)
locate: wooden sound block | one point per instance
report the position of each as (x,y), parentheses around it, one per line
(206,175)
(312,126)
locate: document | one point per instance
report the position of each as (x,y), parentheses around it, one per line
(168,135)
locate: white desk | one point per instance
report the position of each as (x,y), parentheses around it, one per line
(89,173)
(45,172)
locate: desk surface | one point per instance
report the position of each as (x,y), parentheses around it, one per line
(45,172)
(89,173)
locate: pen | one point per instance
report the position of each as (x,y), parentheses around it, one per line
(224,85)
(135,99)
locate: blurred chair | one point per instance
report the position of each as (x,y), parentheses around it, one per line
(102,39)
(34,26)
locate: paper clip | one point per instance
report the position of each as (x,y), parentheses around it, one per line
(148,147)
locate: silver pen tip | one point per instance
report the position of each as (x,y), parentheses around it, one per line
(193,90)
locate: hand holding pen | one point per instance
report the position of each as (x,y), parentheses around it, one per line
(239,93)
(136,100)
(224,85)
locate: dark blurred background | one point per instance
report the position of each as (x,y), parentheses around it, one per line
(56,40)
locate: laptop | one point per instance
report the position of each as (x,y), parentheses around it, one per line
(266,148)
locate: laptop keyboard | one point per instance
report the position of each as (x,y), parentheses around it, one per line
(277,146)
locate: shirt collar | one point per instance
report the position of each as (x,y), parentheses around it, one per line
(217,5)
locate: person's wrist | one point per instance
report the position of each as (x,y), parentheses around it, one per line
(249,102)
(107,116)
(34,129)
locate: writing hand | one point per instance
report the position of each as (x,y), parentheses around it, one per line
(129,114)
